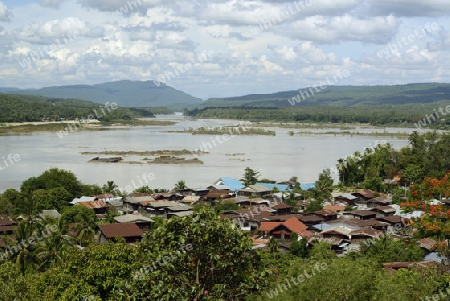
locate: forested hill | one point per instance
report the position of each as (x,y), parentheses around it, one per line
(341,96)
(125,93)
(23,108)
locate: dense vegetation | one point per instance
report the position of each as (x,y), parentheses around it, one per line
(427,155)
(21,108)
(342,96)
(404,115)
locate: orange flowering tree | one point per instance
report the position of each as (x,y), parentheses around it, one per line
(436,220)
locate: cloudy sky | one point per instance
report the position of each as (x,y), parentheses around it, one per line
(233,47)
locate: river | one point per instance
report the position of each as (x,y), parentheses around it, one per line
(275,157)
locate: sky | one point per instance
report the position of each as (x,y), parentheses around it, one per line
(212,48)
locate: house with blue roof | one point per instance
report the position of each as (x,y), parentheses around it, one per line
(271,186)
(307,186)
(233,184)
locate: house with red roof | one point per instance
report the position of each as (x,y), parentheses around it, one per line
(283,230)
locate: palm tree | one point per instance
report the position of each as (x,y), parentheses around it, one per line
(56,245)
(180,185)
(109,187)
(25,254)
(85,230)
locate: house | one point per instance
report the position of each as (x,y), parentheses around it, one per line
(358,236)
(190,199)
(384,211)
(345,198)
(363,214)
(219,187)
(105,197)
(339,232)
(243,221)
(7,226)
(271,186)
(427,244)
(378,202)
(159,208)
(254,191)
(170,196)
(245,202)
(364,195)
(50,213)
(307,186)
(282,230)
(310,220)
(134,202)
(179,213)
(129,231)
(179,210)
(83,199)
(232,184)
(141,221)
(213,195)
(335,208)
(282,209)
(98,206)
(327,215)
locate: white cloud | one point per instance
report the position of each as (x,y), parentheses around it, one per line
(51,3)
(299,49)
(5,13)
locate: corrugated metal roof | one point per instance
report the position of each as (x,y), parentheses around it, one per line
(121,230)
(132,218)
(94,204)
(233,184)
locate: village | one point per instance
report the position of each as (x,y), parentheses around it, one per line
(346,221)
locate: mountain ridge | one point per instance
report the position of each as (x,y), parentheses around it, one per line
(125,93)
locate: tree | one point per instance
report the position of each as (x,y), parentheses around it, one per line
(386,249)
(298,247)
(314,206)
(250,177)
(143,189)
(224,206)
(324,185)
(186,262)
(109,187)
(52,178)
(180,185)
(111,213)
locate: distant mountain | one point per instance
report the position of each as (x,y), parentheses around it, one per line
(125,93)
(340,96)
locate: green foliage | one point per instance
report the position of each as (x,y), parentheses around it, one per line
(324,185)
(111,213)
(224,206)
(298,247)
(53,178)
(180,185)
(250,177)
(202,266)
(314,206)
(386,249)
(143,189)
(97,271)
(90,190)
(110,187)
(22,108)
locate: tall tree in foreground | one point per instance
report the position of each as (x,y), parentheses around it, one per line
(324,185)
(250,177)
(185,261)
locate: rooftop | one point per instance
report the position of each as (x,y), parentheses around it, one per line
(121,230)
